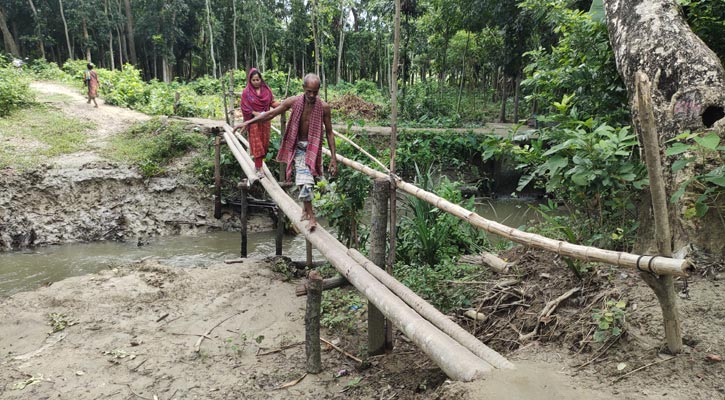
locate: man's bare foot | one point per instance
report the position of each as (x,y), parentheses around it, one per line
(305,216)
(312,225)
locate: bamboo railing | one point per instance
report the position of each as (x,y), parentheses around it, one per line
(659,265)
(453,356)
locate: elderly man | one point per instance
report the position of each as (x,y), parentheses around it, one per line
(301,145)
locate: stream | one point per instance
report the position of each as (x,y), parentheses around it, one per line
(31,268)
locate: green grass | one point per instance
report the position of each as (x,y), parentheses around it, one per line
(154,144)
(49,132)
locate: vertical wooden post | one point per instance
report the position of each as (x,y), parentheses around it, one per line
(280,231)
(244,185)
(663,286)
(312,323)
(377,330)
(217,176)
(308,251)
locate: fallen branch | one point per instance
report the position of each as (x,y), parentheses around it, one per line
(291,383)
(641,368)
(197,346)
(486,259)
(280,349)
(350,356)
(547,311)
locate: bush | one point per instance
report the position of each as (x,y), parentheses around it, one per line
(14,90)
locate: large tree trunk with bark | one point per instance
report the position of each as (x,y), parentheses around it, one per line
(688,93)
(11,46)
(129,30)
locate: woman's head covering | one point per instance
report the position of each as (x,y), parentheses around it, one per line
(251,101)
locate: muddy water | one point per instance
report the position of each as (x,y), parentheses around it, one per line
(29,269)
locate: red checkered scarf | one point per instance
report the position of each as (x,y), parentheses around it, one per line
(313,157)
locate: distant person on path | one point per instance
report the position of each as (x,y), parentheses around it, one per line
(257,98)
(90,79)
(302,142)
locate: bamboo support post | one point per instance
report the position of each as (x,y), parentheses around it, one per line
(457,361)
(377,325)
(217,176)
(312,323)
(656,264)
(280,231)
(663,286)
(243,215)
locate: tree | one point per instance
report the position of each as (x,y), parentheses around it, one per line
(688,94)
(653,43)
(11,46)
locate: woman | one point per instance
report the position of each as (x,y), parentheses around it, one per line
(90,78)
(257,98)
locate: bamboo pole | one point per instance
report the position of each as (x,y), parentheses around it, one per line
(656,264)
(432,314)
(458,362)
(663,286)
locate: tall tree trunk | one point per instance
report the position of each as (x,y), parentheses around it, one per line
(517,93)
(129,30)
(65,29)
(688,93)
(234,34)
(504,96)
(211,38)
(342,41)
(110,36)
(315,35)
(11,46)
(85,40)
(463,74)
(38,31)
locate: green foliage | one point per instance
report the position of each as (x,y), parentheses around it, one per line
(342,310)
(428,235)
(590,165)
(707,20)
(436,283)
(59,322)
(154,144)
(703,154)
(581,64)
(609,320)
(341,201)
(15,90)
(425,149)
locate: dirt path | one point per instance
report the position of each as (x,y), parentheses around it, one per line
(109,120)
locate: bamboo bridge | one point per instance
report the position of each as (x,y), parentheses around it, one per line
(458,353)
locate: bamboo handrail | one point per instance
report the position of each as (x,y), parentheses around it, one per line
(454,358)
(650,263)
(353,144)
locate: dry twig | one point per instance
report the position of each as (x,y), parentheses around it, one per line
(350,356)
